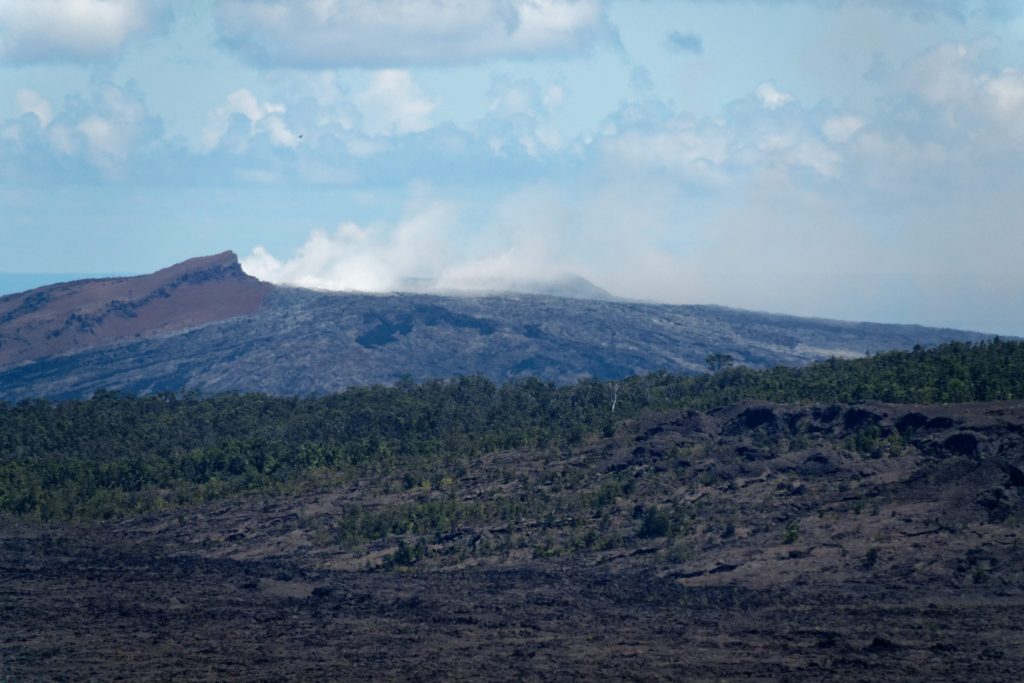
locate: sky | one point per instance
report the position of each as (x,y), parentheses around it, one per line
(852,159)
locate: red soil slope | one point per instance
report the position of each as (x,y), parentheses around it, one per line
(72,316)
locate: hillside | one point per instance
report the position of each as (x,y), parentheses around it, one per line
(784,523)
(206,325)
(68,317)
(870,542)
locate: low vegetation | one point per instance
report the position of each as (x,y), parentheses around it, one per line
(115,455)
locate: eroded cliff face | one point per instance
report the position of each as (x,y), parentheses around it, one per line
(74,316)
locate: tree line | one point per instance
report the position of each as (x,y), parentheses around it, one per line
(116,454)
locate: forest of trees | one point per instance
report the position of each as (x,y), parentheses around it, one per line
(114,454)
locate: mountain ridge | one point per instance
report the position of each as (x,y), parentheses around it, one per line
(72,316)
(205,324)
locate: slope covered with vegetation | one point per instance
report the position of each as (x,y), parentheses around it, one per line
(660,527)
(114,454)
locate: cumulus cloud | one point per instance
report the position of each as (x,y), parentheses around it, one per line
(842,127)
(765,132)
(956,9)
(695,152)
(1005,99)
(960,10)
(771,97)
(339,33)
(948,116)
(942,75)
(116,124)
(394,104)
(1006,92)
(519,117)
(258,117)
(31,102)
(960,99)
(678,41)
(102,131)
(75,30)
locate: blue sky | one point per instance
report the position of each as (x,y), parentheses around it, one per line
(857,159)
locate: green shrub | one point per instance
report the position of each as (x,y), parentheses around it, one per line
(654,524)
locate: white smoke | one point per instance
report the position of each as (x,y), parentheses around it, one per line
(776,249)
(423,252)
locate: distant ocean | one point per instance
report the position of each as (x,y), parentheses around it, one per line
(11,283)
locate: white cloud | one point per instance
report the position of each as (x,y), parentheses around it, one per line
(394,104)
(692,152)
(51,30)
(963,98)
(1004,95)
(825,161)
(771,97)
(333,101)
(62,139)
(957,9)
(754,135)
(102,138)
(554,97)
(114,128)
(262,117)
(842,128)
(944,74)
(245,103)
(960,10)
(946,116)
(336,33)
(31,102)
(520,117)
(103,131)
